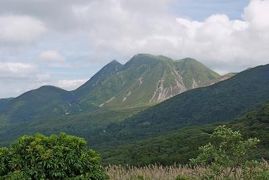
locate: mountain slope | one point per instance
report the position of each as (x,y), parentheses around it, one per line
(220,102)
(181,145)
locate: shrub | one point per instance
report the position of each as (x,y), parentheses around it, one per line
(226,154)
(50,157)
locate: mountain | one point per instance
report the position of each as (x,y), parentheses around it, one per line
(181,145)
(220,102)
(142,81)
(113,94)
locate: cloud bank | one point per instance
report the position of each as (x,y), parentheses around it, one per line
(64,42)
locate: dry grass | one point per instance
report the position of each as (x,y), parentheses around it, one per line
(156,172)
(152,172)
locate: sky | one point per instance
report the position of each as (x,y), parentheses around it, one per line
(65,42)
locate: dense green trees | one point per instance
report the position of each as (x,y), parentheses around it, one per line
(50,157)
(181,145)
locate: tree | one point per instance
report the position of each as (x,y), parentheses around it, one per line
(50,157)
(227,153)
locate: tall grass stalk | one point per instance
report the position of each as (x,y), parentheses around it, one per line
(152,172)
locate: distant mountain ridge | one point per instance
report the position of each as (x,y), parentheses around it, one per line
(147,78)
(220,102)
(144,80)
(118,90)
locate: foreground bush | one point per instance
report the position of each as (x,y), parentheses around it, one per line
(53,157)
(227,157)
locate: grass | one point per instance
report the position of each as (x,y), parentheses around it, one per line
(151,172)
(175,172)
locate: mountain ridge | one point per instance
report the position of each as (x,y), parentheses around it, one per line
(118,90)
(159,71)
(216,103)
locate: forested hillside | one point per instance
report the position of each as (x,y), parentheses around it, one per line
(220,102)
(181,145)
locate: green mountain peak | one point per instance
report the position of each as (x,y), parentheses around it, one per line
(145,80)
(148,79)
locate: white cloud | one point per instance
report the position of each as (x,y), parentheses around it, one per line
(16,70)
(15,29)
(51,56)
(225,44)
(70,84)
(87,33)
(257,13)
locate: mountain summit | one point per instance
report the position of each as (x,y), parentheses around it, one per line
(114,93)
(144,80)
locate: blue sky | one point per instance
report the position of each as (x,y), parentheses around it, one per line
(201,9)
(65,42)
